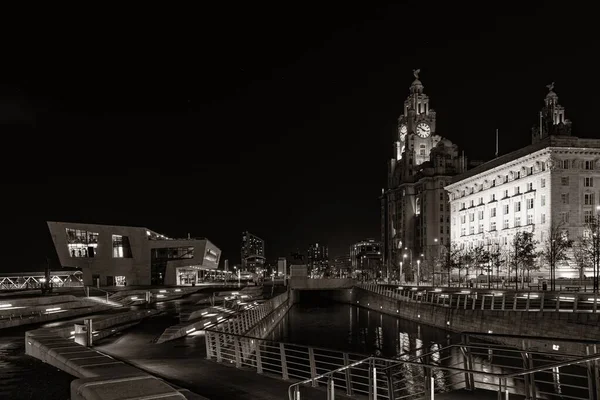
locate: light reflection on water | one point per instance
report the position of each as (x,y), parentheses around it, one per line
(357,330)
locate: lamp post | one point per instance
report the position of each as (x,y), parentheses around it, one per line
(411,256)
(418,272)
(400,274)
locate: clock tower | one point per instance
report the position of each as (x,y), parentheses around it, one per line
(416,128)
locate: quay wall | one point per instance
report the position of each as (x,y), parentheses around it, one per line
(552,324)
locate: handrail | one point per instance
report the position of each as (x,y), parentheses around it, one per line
(594,357)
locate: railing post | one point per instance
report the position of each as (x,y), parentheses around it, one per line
(218,346)
(347,375)
(466,362)
(527,304)
(313,366)
(515,299)
(369,369)
(330,389)
(503,301)
(575,298)
(492,303)
(457,301)
(208,345)
(482,302)
(558,302)
(297,393)
(390,384)
(374,381)
(259,368)
(527,377)
(236,346)
(595,302)
(284,370)
(542,302)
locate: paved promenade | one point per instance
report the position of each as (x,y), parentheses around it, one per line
(182,362)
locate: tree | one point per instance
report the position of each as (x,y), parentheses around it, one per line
(524,255)
(481,259)
(555,249)
(451,260)
(582,258)
(588,248)
(496,261)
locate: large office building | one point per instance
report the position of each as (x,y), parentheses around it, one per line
(318,258)
(552,182)
(125,255)
(415,209)
(252,253)
(366,259)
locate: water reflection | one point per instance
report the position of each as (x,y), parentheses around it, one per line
(357,330)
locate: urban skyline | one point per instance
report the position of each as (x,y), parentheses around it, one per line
(249,164)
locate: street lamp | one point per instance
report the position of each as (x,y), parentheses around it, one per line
(411,256)
(418,272)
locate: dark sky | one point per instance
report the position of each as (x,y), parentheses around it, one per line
(277,118)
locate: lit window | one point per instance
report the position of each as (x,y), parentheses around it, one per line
(81,243)
(121,246)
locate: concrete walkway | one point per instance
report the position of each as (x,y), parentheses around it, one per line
(182,362)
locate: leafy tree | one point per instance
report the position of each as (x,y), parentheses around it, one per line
(523,254)
(555,249)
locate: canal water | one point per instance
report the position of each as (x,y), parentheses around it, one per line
(352,329)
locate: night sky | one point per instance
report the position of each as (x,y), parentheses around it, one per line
(277,118)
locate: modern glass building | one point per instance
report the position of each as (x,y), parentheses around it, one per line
(125,255)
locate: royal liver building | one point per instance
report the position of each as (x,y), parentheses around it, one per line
(415,208)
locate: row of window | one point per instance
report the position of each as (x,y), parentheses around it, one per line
(588,165)
(84,244)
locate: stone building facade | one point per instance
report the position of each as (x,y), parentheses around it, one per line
(555,180)
(415,209)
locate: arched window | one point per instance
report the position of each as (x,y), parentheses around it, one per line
(418,206)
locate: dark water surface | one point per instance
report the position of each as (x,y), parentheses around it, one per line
(353,329)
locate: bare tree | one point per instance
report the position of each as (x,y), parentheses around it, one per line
(588,246)
(495,257)
(480,257)
(554,250)
(451,260)
(524,254)
(582,258)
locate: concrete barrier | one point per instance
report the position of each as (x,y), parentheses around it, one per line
(101,376)
(37,318)
(304,283)
(542,324)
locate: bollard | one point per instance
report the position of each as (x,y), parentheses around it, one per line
(89,332)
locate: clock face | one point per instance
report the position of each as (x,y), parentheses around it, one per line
(402,130)
(423,130)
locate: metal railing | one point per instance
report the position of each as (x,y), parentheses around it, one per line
(251,316)
(490,299)
(476,363)
(298,362)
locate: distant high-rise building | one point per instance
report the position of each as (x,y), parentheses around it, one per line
(252,252)
(282,266)
(342,265)
(318,258)
(366,258)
